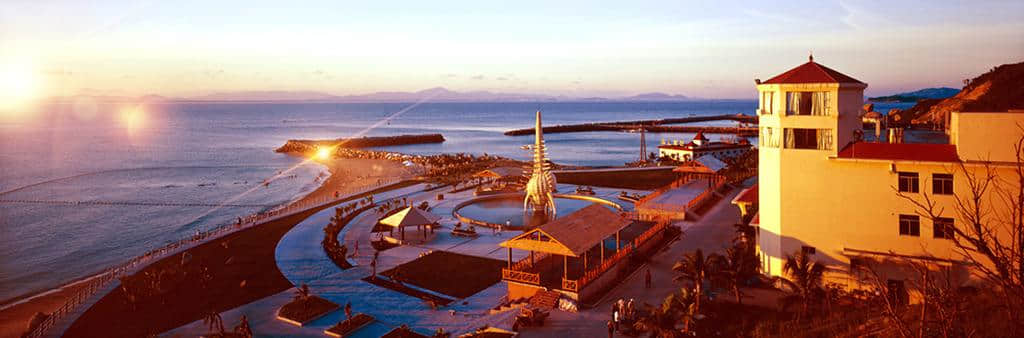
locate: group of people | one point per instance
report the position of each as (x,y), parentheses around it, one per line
(624,313)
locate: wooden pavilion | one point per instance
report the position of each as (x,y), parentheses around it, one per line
(574,254)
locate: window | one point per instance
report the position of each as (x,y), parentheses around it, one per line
(799,138)
(910,225)
(767,99)
(942,184)
(769,138)
(943,228)
(808,103)
(908,182)
(808,250)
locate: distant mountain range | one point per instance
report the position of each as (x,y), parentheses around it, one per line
(917,95)
(437,94)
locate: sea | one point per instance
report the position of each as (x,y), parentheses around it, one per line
(62,154)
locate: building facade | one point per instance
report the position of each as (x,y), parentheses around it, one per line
(700,146)
(824,191)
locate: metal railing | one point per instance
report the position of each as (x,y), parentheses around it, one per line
(100,280)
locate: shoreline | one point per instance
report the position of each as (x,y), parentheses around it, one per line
(22,299)
(18,311)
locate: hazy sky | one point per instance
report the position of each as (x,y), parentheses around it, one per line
(706,49)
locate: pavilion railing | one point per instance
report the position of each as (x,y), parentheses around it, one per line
(520,276)
(591,275)
(719,181)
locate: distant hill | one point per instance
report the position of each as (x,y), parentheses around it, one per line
(1000,89)
(266,95)
(654,97)
(917,95)
(437,94)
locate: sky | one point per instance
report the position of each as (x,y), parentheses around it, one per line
(706,49)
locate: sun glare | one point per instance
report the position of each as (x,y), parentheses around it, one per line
(323,153)
(133,119)
(19,85)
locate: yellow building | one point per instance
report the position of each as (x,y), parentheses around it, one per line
(824,191)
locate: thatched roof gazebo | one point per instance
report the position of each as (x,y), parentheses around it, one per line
(410,216)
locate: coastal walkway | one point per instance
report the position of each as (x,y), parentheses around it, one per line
(301,259)
(104,282)
(141,203)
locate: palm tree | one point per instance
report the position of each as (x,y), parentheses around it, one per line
(302,293)
(697,269)
(735,268)
(213,321)
(807,276)
(661,321)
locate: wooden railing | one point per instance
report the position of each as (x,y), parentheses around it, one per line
(570,285)
(644,237)
(719,181)
(520,276)
(575,285)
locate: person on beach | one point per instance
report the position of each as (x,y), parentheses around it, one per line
(348,311)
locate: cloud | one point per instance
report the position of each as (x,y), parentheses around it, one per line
(478,77)
(502,78)
(449,75)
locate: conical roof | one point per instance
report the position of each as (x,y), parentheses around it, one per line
(410,217)
(811,72)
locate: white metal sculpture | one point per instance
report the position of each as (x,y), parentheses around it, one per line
(541,186)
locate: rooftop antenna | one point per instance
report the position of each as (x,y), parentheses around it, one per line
(810,56)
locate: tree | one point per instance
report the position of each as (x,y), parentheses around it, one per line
(213,321)
(302,292)
(988,235)
(735,269)
(807,276)
(697,269)
(661,321)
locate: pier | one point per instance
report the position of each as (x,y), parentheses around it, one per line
(660,125)
(360,142)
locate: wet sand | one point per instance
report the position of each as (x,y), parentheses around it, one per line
(252,251)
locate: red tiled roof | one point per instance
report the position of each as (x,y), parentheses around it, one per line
(700,136)
(707,146)
(924,152)
(811,72)
(756,220)
(748,195)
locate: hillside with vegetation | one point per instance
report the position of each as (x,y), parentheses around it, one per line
(917,95)
(1000,89)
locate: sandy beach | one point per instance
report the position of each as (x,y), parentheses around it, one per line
(253,251)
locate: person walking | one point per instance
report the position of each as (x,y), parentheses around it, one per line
(611,329)
(647,279)
(348,311)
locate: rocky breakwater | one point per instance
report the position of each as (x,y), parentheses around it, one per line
(310,146)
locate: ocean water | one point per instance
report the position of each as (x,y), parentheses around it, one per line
(215,153)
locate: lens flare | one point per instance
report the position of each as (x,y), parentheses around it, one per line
(133,119)
(19,85)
